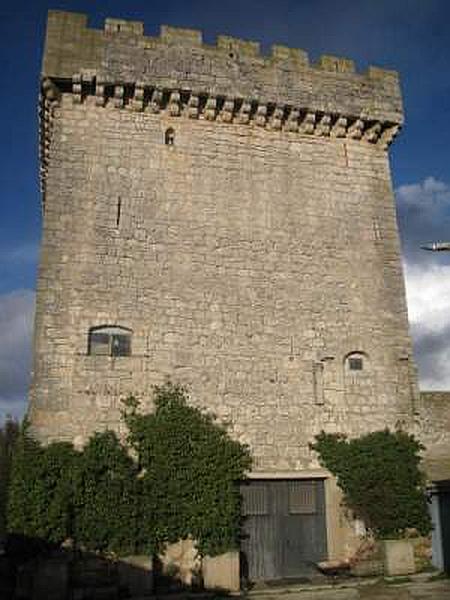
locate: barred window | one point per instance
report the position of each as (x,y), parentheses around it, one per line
(108,340)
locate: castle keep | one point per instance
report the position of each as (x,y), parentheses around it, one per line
(225,219)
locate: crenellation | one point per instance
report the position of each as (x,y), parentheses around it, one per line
(179,59)
(336,64)
(177,35)
(236,48)
(124,27)
(283,53)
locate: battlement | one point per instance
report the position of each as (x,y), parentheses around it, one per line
(178,59)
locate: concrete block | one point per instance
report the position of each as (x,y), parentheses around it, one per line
(398,557)
(222,572)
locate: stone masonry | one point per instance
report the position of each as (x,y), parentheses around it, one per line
(251,257)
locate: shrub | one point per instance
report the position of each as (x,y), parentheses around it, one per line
(8,436)
(177,478)
(191,469)
(380,479)
(41,488)
(106,496)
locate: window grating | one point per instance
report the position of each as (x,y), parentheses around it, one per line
(255,500)
(302,498)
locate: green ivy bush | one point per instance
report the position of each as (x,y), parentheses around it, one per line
(106,496)
(380,478)
(190,473)
(177,476)
(41,489)
(9,433)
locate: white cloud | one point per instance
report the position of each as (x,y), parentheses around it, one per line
(424,216)
(16,326)
(423,211)
(428,294)
(429,194)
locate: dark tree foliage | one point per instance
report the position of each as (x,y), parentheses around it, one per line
(41,488)
(190,473)
(380,478)
(9,433)
(106,496)
(177,478)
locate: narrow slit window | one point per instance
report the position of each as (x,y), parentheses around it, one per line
(169,137)
(119,210)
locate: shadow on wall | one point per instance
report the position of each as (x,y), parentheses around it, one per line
(31,569)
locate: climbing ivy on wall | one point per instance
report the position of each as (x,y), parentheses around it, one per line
(380,478)
(9,433)
(175,476)
(106,496)
(41,488)
(190,470)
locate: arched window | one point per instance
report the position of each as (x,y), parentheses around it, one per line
(169,137)
(109,340)
(355,362)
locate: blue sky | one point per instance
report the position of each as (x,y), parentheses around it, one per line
(411,36)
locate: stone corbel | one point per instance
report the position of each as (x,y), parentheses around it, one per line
(119,92)
(137,103)
(50,91)
(388,135)
(339,129)
(155,101)
(276,119)
(292,120)
(210,111)
(99,93)
(243,116)
(261,115)
(356,129)
(227,112)
(77,88)
(323,126)
(173,107)
(193,107)
(372,133)
(308,123)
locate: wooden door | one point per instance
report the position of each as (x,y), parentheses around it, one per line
(284,529)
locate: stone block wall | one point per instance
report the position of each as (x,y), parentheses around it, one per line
(432,427)
(249,258)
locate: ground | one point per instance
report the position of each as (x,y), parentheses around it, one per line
(414,588)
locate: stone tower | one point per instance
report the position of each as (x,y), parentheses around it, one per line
(225,219)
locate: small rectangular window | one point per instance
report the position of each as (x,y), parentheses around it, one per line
(355,364)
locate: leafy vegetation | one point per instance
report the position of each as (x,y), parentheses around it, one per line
(41,487)
(9,433)
(380,478)
(106,496)
(190,472)
(175,476)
